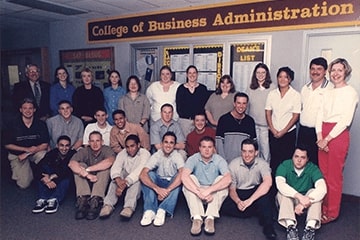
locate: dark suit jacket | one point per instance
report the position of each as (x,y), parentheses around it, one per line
(23,90)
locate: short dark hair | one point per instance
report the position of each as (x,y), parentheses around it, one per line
(241,94)
(63,137)
(102,109)
(288,71)
(207,139)
(249,141)
(118,111)
(319,61)
(169,133)
(133,137)
(28,100)
(166,105)
(64,101)
(303,147)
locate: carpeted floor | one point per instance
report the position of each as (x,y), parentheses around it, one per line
(18,222)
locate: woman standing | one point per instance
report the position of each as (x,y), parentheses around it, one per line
(87,98)
(161,92)
(333,121)
(113,94)
(190,99)
(258,91)
(61,90)
(135,104)
(282,109)
(221,101)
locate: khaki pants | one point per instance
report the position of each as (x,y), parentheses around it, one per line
(287,206)
(98,188)
(196,205)
(21,170)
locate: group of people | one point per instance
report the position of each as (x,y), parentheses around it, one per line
(225,150)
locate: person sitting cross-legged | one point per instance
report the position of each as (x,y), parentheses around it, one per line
(91,168)
(125,178)
(161,181)
(54,176)
(206,178)
(249,192)
(301,190)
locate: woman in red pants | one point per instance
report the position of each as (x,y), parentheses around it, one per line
(332,128)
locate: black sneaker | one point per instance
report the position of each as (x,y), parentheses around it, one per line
(95,203)
(292,233)
(269,232)
(309,234)
(52,205)
(82,207)
(40,206)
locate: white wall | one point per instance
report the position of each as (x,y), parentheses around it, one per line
(287,49)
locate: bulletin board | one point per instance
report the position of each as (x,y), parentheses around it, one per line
(99,60)
(207,58)
(243,59)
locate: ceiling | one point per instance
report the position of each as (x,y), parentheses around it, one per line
(13,16)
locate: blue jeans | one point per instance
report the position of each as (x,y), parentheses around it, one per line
(59,192)
(150,196)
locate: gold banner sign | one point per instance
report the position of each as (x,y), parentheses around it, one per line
(228,19)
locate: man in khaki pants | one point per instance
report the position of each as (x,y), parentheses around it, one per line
(301,189)
(27,142)
(91,168)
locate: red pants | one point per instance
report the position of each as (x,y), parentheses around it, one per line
(331,165)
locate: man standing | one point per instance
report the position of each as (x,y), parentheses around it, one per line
(161,180)
(301,189)
(125,177)
(200,131)
(233,127)
(35,89)
(249,191)
(165,124)
(53,176)
(311,99)
(122,129)
(90,166)
(67,124)
(206,178)
(27,142)
(101,125)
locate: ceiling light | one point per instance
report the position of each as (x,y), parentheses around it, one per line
(49,6)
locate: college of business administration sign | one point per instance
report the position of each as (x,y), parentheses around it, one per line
(228,19)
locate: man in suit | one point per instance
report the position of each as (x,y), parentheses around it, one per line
(35,89)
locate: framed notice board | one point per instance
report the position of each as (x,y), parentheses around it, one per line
(99,60)
(207,58)
(244,57)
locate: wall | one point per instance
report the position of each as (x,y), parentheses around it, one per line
(26,37)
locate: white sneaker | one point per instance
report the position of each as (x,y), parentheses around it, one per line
(147,218)
(160,217)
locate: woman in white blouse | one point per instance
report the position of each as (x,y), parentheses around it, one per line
(333,121)
(282,110)
(161,92)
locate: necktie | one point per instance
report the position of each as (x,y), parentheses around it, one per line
(37,93)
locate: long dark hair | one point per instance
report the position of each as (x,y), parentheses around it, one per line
(67,73)
(254,82)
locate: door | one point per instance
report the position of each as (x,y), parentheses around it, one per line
(345,45)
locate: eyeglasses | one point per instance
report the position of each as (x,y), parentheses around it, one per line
(33,71)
